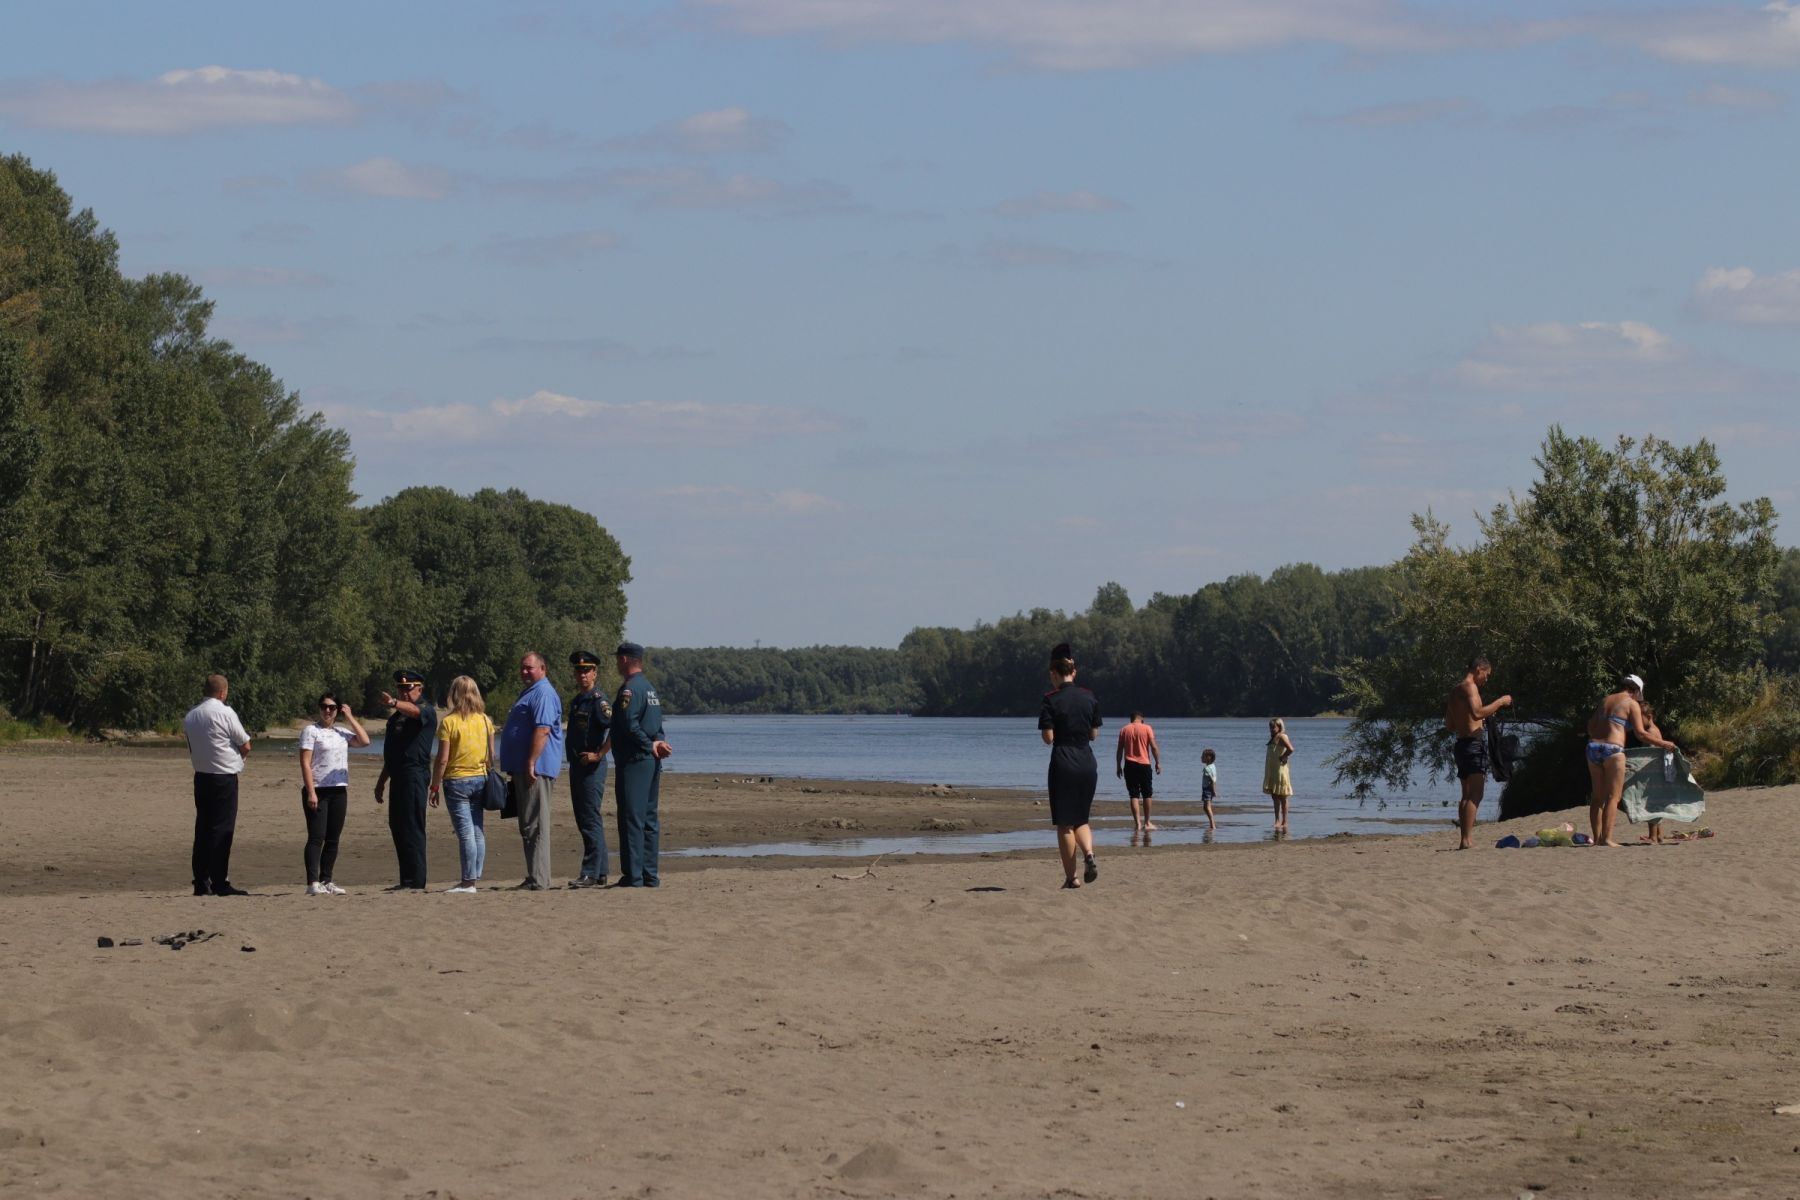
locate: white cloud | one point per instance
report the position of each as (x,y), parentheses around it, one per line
(1735,35)
(279,331)
(727,500)
(593,349)
(278,233)
(1040,203)
(652,188)
(1734,98)
(718,131)
(1014,254)
(545,416)
(260,277)
(1431,111)
(1594,358)
(1083,35)
(388,178)
(177,102)
(701,188)
(550,249)
(1741,296)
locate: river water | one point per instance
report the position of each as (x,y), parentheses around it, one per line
(1005,752)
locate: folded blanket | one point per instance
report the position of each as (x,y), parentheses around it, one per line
(1650,796)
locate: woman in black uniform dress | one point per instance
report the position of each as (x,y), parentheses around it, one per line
(1068,722)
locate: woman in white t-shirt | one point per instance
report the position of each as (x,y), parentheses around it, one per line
(325,776)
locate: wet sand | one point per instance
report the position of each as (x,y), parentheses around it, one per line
(1355,1016)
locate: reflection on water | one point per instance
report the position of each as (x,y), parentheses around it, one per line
(1109,832)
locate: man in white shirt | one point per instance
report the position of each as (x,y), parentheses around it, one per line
(217,745)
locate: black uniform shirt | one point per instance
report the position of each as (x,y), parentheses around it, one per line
(590,719)
(1073,713)
(407,746)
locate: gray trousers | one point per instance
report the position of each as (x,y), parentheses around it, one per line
(533,802)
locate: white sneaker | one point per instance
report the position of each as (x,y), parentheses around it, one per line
(332,888)
(464,888)
(316,889)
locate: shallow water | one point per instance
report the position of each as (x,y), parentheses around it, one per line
(1006,752)
(1109,833)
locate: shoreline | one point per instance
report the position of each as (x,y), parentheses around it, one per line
(732,814)
(1353,1017)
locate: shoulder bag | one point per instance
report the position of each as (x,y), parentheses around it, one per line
(496,796)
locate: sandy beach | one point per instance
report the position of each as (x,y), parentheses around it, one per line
(1347,1017)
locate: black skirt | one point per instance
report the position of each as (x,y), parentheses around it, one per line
(1073,778)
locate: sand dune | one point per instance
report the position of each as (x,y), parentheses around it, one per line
(1353,1017)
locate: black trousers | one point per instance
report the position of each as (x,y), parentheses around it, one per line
(323,825)
(215,820)
(406,821)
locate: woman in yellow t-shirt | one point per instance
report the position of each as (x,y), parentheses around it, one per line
(464,755)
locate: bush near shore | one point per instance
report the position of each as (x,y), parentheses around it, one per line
(1756,745)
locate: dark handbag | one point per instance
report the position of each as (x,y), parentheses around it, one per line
(495,794)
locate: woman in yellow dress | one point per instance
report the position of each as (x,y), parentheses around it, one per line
(1276,784)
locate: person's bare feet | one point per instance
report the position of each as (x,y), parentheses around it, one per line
(1619,845)
(1071,884)
(1149,827)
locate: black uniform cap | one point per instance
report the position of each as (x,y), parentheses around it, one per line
(408,675)
(584,658)
(629,650)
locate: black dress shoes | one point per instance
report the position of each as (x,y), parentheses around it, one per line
(225,889)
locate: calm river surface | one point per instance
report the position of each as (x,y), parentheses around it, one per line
(1005,752)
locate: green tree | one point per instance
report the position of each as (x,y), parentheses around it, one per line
(1783,651)
(463,585)
(1619,559)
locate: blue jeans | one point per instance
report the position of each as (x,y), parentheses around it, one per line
(463,798)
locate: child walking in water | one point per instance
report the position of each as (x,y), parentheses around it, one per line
(1209,784)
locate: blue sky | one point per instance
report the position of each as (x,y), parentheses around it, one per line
(846,316)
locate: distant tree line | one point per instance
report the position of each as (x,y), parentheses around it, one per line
(811,679)
(1246,646)
(167,509)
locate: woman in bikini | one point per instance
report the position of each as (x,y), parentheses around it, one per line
(1606,753)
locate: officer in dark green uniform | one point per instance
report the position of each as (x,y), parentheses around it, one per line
(638,750)
(406,760)
(590,732)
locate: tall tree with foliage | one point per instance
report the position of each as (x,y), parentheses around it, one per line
(1621,558)
(168,509)
(463,585)
(181,514)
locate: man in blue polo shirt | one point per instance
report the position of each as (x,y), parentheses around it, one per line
(531,753)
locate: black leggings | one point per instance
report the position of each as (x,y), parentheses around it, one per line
(323,825)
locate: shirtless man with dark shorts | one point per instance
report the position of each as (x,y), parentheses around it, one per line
(1465,716)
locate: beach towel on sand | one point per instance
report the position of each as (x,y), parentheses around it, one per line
(1651,797)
